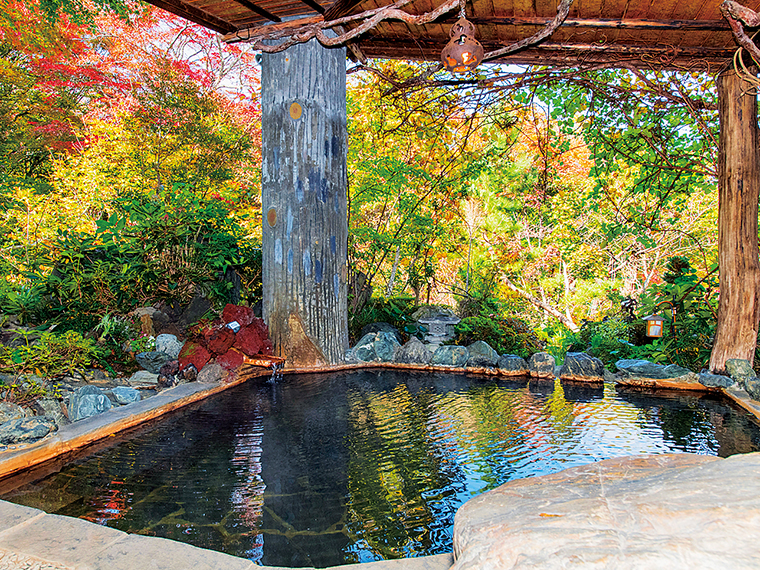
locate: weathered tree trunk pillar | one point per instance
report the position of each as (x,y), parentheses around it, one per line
(304,180)
(739,189)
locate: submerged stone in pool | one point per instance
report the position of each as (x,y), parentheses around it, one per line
(321,470)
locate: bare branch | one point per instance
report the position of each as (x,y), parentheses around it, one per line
(562,11)
(301,31)
(735,13)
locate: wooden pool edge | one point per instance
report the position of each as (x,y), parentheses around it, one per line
(82,434)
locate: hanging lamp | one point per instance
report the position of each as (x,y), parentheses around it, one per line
(463,52)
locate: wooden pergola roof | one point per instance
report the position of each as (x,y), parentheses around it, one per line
(671,33)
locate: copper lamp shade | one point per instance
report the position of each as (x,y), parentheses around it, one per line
(463,52)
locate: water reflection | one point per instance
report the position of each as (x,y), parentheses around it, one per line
(327,470)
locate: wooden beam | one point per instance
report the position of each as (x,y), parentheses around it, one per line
(194,15)
(314,6)
(259,10)
(289,26)
(654,25)
(562,54)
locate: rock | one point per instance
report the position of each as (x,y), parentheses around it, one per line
(152,361)
(86,402)
(715,380)
(350,357)
(195,354)
(450,355)
(26,430)
(482,355)
(676,511)
(752,386)
(364,351)
(580,367)
(52,408)
(219,339)
(125,395)
(237,313)
(740,369)
(97,376)
(145,316)
(169,344)
(197,308)
(386,346)
(230,360)
(376,347)
(212,372)
(380,327)
(10,411)
(680,374)
(414,352)
(167,376)
(541,365)
(645,373)
(248,340)
(512,364)
(609,376)
(143,378)
(188,374)
(640,368)
(428,311)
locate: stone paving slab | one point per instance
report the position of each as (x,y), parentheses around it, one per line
(678,512)
(150,553)
(12,515)
(14,561)
(60,539)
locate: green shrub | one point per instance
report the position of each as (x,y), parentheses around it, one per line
(165,248)
(504,335)
(696,304)
(396,311)
(50,356)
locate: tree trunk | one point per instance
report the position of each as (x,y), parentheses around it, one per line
(304,181)
(739,188)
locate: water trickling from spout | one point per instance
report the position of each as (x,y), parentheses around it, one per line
(276,372)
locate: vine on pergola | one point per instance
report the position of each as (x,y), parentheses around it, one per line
(274,38)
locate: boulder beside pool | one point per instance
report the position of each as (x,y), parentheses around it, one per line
(580,367)
(541,366)
(679,512)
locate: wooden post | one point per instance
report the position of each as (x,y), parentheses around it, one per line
(739,189)
(304,181)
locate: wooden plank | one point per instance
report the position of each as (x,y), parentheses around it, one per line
(193,14)
(601,23)
(259,10)
(314,6)
(341,8)
(559,54)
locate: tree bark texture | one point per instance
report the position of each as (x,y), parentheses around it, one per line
(739,189)
(304,182)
